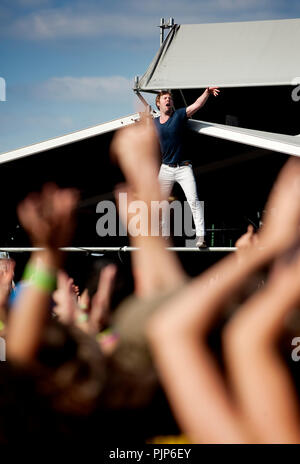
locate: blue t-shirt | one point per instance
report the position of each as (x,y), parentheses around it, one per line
(171,136)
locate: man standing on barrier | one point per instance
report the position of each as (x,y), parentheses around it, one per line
(175,166)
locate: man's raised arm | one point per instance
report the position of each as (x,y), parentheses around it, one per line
(192,109)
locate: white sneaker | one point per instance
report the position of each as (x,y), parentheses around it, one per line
(201,243)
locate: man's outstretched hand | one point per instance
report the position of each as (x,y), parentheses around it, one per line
(213,91)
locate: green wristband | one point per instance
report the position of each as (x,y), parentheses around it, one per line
(2,325)
(83,307)
(41,278)
(83,317)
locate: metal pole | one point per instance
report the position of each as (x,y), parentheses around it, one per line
(184,100)
(142,99)
(162,27)
(165,25)
(136,82)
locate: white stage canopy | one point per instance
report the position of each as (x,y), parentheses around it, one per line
(240,54)
(288,144)
(68,138)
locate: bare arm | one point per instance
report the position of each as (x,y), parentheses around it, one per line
(47,218)
(191,377)
(260,379)
(101,301)
(6,277)
(182,325)
(200,102)
(29,314)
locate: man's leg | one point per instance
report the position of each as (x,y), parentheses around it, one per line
(166,180)
(185,177)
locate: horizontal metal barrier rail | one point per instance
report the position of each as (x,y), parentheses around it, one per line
(115,249)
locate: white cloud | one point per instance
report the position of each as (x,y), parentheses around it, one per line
(171,7)
(33,3)
(85,89)
(16,123)
(67,23)
(201,11)
(241,4)
(137,21)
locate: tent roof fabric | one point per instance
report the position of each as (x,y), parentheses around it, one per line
(288,144)
(68,138)
(252,53)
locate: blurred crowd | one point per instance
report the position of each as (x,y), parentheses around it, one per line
(202,360)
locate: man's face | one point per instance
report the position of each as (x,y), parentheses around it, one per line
(166,104)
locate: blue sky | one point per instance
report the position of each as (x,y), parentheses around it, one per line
(70,64)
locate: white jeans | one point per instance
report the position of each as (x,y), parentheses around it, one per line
(185,177)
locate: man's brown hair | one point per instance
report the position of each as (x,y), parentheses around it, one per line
(160,94)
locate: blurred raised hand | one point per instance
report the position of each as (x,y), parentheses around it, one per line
(282,218)
(136,149)
(65,298)
(248,239)
(263,386)
(48,218)
(255,407)
(7,267)
(100,306)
